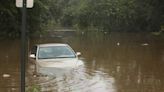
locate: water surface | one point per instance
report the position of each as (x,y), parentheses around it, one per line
(119,62)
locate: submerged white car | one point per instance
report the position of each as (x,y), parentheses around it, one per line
(53,57)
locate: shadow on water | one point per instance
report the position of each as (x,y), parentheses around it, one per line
(119,62)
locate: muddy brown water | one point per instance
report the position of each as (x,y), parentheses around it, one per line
(119,62)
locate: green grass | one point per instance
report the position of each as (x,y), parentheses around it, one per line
(33,88)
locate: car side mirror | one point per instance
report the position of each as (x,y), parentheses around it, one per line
(78,53)
(32,56)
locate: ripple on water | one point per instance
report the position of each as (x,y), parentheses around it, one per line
(78,80)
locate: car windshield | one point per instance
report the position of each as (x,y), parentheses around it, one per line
(55,52)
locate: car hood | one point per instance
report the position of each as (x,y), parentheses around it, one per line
(60,63)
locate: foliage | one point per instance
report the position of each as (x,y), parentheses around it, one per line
(33,88)
(118,15)
(10,18)
(104,15)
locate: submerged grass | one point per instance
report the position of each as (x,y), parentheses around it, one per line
(33,88)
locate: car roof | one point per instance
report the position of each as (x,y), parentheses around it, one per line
(52,44)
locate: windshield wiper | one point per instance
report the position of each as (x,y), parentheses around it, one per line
(56,57)
(47,58)
(64,57)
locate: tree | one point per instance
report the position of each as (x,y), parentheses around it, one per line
(10,18)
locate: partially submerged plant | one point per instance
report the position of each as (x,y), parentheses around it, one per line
(33,88)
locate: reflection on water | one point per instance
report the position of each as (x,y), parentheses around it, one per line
(121,62)
(77,80)
(136,68)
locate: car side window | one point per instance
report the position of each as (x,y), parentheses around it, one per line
(34,50)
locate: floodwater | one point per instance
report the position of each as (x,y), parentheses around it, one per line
(9,66)
(119,62)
